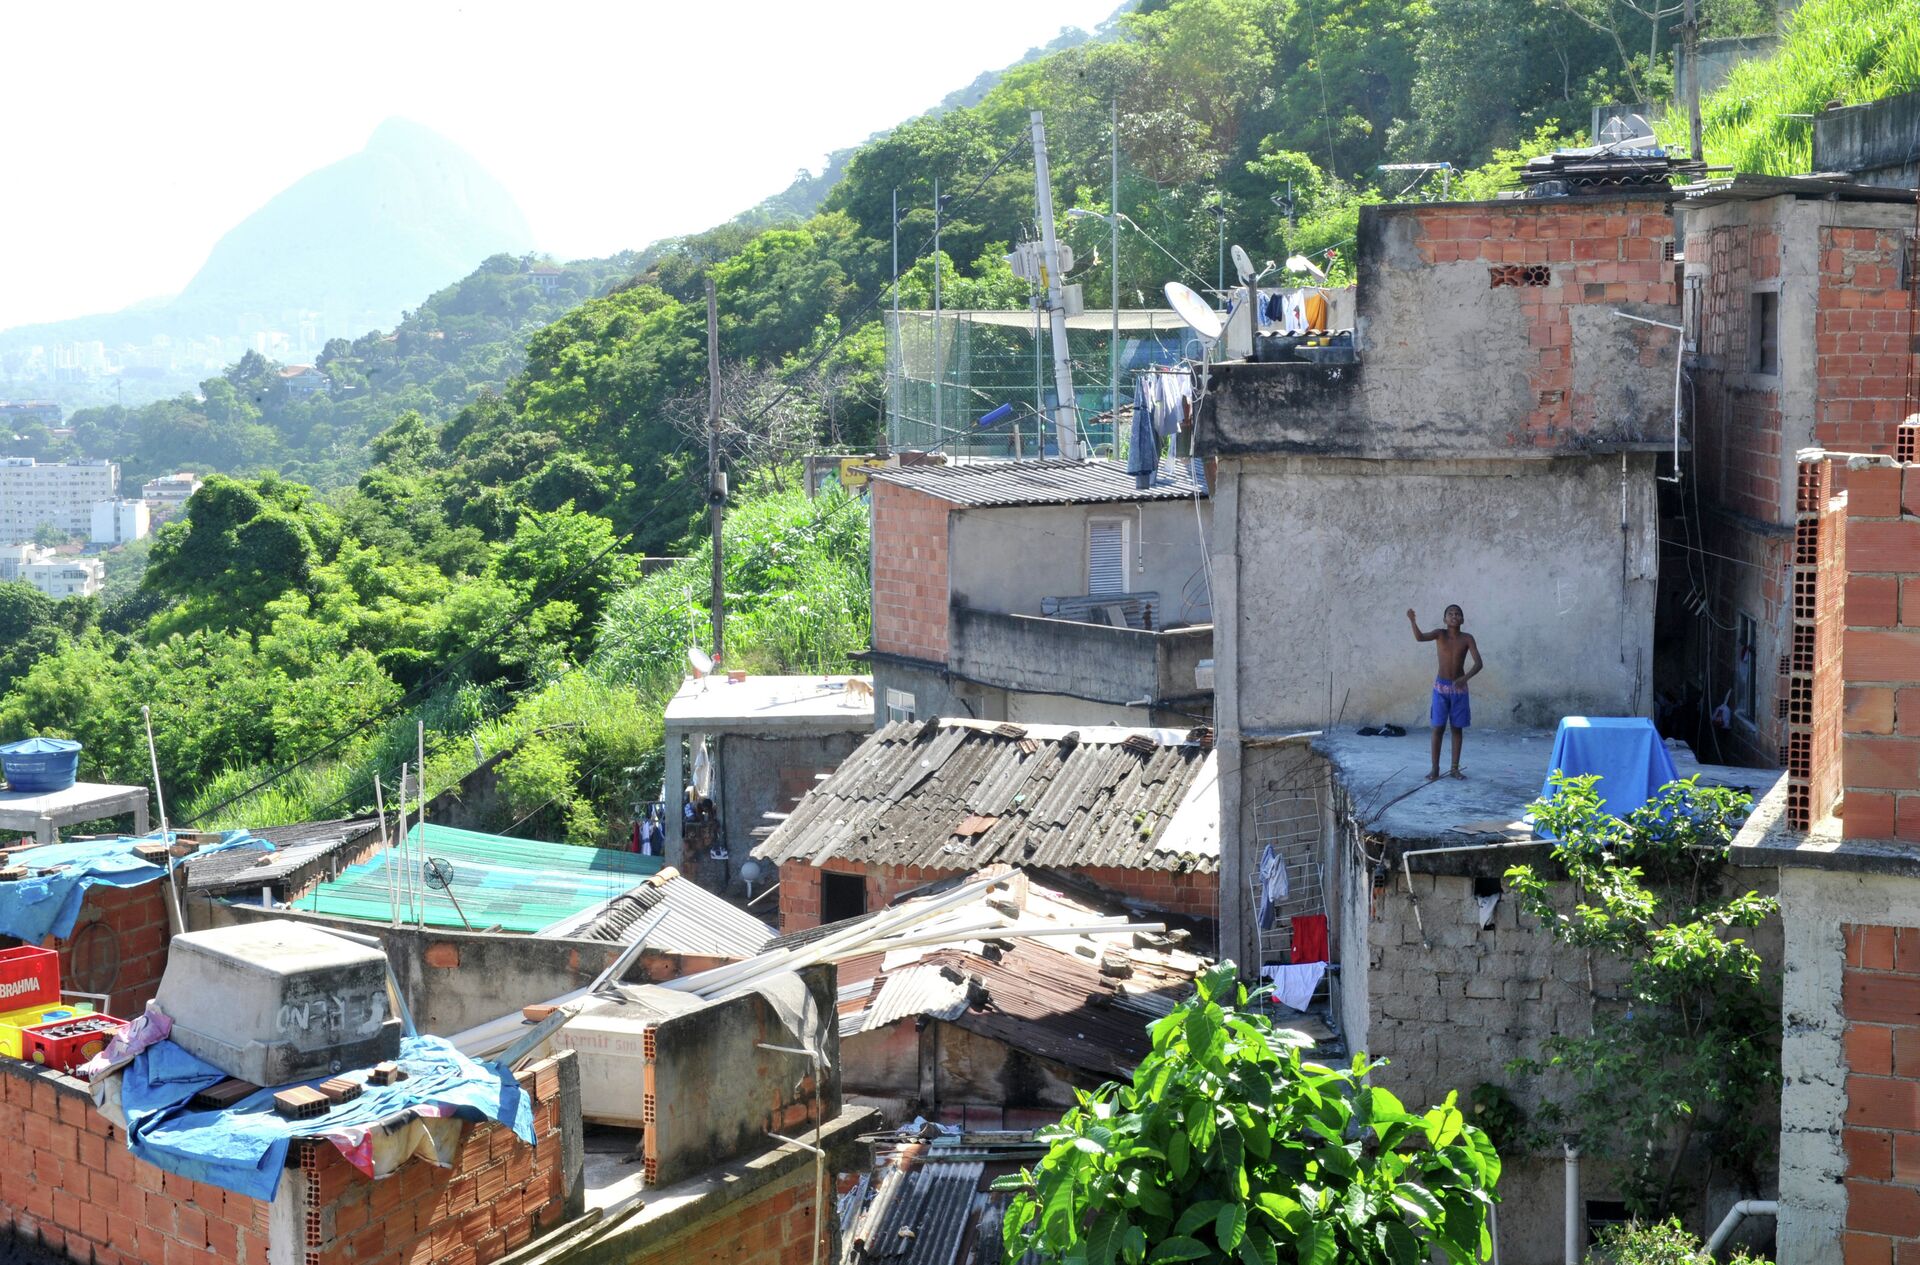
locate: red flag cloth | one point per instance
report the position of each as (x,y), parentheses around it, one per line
(1310,938)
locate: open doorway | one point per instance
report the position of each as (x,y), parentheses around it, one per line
(842,896)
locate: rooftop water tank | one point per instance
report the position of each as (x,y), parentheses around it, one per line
(40,764)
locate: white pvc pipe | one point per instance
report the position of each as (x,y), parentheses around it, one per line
(1575,1219)
(1735,1215)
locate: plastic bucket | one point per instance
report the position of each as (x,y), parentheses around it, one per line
(40,764)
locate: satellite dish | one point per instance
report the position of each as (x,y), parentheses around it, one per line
(702,661)
(1194,310)
(1300,263)
(1242,264)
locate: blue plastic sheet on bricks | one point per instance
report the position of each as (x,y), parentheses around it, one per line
(243,1148)
(1626,752)
(47,905)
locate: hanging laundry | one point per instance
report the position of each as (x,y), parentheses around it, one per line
(1315,310)
(1294,985)
(1143,445)
(1310,938)
(1273,884)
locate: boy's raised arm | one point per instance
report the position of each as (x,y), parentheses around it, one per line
(1417,634)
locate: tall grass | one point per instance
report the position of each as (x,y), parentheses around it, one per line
(1852,51)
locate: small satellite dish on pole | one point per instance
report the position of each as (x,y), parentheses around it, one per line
(1301,264)
(699,660)
(1242,264)
(1194,310)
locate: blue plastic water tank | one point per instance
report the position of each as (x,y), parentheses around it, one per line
(40,764)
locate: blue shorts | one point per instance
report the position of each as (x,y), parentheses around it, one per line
(1451,706)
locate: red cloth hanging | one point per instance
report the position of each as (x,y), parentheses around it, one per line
(1310,938)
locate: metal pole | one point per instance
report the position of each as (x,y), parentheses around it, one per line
(1066,414)
(716,478)
(1690,28)
(939,379)
(896,347)
(1113,223)
(420,818)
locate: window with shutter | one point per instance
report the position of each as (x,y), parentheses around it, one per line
(1107,555)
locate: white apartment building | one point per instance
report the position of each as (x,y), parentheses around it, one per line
(119,521)
(67,577)
(34,494)
(165,495)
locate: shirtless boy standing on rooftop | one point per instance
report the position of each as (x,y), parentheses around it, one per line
(1450,703)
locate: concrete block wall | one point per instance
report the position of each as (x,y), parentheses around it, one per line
(1863,335)
(1193,895)
(78,1191)
(909,573)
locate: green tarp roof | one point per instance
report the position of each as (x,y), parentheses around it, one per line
(512,884)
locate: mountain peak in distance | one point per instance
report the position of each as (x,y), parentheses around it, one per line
(361,239)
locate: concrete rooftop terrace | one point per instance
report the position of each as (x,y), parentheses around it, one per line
(1385,778)
(771,703)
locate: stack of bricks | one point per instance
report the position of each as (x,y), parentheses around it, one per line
(1864,339)
(1881,1126)
(1569,255)
(1880,660)
(909,573)
(498,1194)
(74,1188)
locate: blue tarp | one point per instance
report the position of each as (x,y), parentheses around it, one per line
(35,908)
(1626,752)
(244,1147)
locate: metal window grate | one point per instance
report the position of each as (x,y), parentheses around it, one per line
(1289,823)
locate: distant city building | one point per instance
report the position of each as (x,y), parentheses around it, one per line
(62,495)
(66,577)
(15,559)
(14,412)
(301,381)
(165,495)
(546,276)
(119,521)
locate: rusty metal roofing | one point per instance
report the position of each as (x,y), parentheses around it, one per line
(933,1202)
(1061,797)
(1041,481)
(295,848)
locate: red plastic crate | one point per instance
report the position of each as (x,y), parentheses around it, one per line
(65,1044)
(29,977)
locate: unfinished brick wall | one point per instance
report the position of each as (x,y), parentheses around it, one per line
(1192,895)
(1819,681)
(76,1189)
(1736,426)
(1880,660)
(1560,256)
(1881,1129)
(1862,339)
(118,946)
(909,573)
(773,1225)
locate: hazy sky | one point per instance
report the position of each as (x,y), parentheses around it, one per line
(139,133)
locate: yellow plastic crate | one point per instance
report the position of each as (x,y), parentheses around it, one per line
(14,1020)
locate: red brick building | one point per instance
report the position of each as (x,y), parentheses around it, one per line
(1797,314)
(1133,811)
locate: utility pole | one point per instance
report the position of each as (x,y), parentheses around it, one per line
(1690,30)
(897,349)
(939,365)
(1066,414)
(716,477)
(1113,223)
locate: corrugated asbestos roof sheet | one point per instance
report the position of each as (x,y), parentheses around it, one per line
(294,848)
(1042,481)
(934,1204)
(1058,801)
(671,914)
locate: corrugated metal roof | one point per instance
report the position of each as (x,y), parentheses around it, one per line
(513,884)
(674,915)
(1061,800)
(919,1216)
(294,848)
(935,989)
(1750,186)
(1042,481)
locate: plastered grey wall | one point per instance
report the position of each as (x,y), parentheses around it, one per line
(750,776)
(1034,655)
(1007,559)
(1873,140)
(935,693)
(1813,1094)
(1332,553)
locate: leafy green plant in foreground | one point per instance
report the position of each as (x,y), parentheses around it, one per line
(1228,1146)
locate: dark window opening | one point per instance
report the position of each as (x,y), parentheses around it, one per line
(842,896)
(1746,678)
(1763,338)
(1602,1213)
(1486,885)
